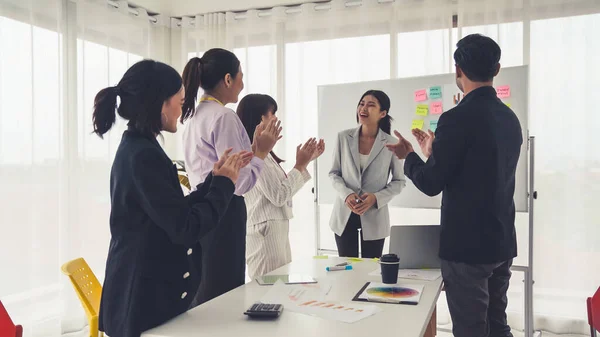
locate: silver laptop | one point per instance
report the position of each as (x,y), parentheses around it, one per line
(416,245)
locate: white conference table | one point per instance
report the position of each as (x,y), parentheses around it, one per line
(224,315)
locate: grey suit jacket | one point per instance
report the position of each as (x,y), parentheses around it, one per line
(375,178)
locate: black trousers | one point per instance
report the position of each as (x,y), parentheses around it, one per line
(476,295)
(224,254)
(347,243)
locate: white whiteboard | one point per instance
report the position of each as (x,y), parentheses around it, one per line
(337,112)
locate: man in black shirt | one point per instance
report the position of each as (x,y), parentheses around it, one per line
(472,158)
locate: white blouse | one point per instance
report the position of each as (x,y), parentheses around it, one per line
(271,197)
(364,158)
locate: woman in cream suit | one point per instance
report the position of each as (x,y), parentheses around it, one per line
(269,202)
(361,176)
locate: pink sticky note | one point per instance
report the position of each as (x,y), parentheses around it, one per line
(503,91)
(436,108)
(420,95)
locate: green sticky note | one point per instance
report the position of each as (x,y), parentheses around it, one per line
(417,124)
(422,109)
(355,259)
(321,257)
(435,92)
(433,125)
(507,104)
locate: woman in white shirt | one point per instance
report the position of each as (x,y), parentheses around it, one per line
(269,202)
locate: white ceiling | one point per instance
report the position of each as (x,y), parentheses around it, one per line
(192,7)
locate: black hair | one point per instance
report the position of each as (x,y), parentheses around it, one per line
(250,111)
(206,73)
(143,89)
(478,56)
(385,124)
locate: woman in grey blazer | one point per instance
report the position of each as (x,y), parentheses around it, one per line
(361,176)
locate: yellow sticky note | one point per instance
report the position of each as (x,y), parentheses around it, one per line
(321,257)
(422,109)
(376,259)
(355,259)
(507,104)
(417,124)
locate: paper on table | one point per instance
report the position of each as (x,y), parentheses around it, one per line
(290,294)
(407,293)
(309,299)
(414,274)
(348,312)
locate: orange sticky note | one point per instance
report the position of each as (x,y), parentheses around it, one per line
(503,91)
(420,95)
(417,124)
(436,108)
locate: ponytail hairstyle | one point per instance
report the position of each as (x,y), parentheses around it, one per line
(385,124)
(206,73)
(143,90)
(250,111)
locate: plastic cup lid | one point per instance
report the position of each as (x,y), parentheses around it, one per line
(390,258)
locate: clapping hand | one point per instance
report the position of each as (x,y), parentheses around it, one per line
(229,165)
(304,154)
(425,140)
(402,148)
(456,98)
(266,136)
(320,149)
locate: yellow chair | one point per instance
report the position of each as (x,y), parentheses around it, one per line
(182,174)
(88,289)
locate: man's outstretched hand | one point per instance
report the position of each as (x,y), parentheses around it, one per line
(425,140)
(402,148)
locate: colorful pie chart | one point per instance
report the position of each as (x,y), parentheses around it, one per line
(392,292)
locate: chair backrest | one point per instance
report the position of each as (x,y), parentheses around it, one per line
(182,174)
(87,286)
(593,309)
(7,327)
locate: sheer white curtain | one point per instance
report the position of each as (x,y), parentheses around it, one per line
(32,156)
(316,44)
(55,56)
(565,120)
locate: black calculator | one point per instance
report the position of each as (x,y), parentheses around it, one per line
(264,310)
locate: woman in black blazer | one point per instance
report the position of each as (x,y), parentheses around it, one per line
(154,261)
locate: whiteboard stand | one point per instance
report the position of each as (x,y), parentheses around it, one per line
(529,328)
(526,270)
(317,209)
